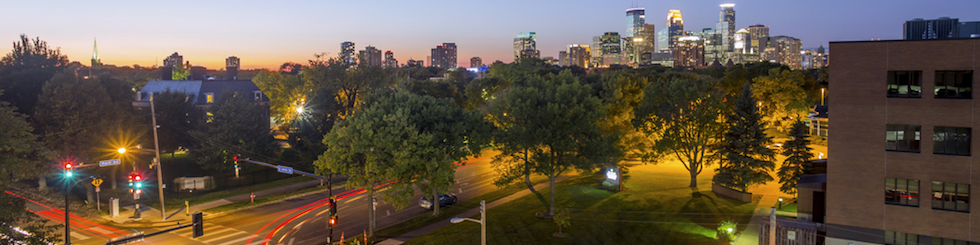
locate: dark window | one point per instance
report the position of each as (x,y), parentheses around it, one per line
(899,137)
(902,191)
(901,238)
(947,241)
(905,84)
(951,196)
(954,84)
(951,141)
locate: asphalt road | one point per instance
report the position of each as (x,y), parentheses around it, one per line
(303,220)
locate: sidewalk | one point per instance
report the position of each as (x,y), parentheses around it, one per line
(400,239)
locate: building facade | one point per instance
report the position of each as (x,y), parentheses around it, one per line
(689,52)
(390,61)
(232,65)
(726,26)
(578,55)
(476,62)
(444,56)
(942,28)
(675,27)
(915,187)
(784,50)
(758,37)
(370,56)
(347,53)
(526,46)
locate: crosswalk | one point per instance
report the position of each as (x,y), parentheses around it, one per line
(223,236)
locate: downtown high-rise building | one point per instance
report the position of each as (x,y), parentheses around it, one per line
(784,50)
(758,38)
(689,52)
(526,46)
(612,47)
(675,27)
(575,55)
(347,53)
(390,61)
(370,56)
(476,62)
(444,56)
(726,26)
(637,41)
(596,54)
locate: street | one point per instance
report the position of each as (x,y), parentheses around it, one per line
(301,220)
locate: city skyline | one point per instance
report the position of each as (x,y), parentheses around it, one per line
(265,35)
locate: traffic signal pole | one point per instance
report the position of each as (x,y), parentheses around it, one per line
(156,144)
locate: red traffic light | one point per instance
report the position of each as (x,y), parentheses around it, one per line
(137,177)
(68,166)
(333,221)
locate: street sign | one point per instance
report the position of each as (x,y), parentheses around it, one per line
(106,163)
(284,169)
(97,182)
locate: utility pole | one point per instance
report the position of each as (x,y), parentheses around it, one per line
(156,146)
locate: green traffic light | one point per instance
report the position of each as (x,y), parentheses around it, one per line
(139,185)
(68,174)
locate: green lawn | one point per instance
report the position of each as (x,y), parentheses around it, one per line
(176,203)
(655,208)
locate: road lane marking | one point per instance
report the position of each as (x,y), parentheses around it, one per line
(100,230)
(225,236)
(354,199)
(259,242)
(79,236)
(239,240)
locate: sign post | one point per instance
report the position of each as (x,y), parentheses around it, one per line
(106,163)
(284,169)
(97,183)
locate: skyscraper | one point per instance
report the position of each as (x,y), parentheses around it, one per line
(663,40)
(784,50)
(524,45)
(232,65)
(942,28)
(578,55)
(444,56)
(635,19)
(476,62)
(370,56)
(347,53)
(596,55)
(689,52)
(675,25)
(758,37)
(726,26)
(390,61)
(612,47)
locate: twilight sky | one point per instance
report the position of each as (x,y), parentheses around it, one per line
(265,34)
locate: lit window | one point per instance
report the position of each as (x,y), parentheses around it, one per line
(209,97)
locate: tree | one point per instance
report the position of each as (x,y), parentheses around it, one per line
(782,96)
(177,117)
(744,158)
(233,125)
(371,147)
(622,93)
(548,125)
(73,116)
(681,113)
(181,71)
(350,83)
(797,161)
(562,219)
(455,134)
(25,69)
(286,93)
(21,157)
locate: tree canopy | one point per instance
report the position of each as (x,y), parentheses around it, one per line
(25,69)
(744,158)
(233,125)
(797,161)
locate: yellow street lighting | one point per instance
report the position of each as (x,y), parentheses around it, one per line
(121,150)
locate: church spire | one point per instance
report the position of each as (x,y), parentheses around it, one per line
(95,54)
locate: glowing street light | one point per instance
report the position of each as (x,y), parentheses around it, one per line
(299,110)
(121,150)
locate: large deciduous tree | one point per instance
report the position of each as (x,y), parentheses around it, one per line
(797,161)
(681,113)
(74,115)
(744,158)
(374,146)
(286,93)
(782,96)
(548,125)
(25,69)
(177,117)
(21,157)
(234,126)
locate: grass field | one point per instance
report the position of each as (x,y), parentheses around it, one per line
(656,207)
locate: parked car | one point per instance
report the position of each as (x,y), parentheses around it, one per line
(444,200)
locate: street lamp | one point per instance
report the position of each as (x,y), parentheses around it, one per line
(780,202)
(67,214)
(482,221)
(121,150)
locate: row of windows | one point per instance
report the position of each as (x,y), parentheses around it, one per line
(208,97)
(949,84)
(901,238)
(946,140)
(945,195)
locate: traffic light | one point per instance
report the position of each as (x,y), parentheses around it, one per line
(68,169)
(236,160)
(333,206)
(333,220)
(135,183)
(198,224)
